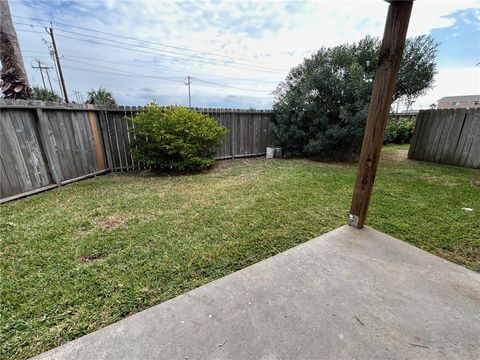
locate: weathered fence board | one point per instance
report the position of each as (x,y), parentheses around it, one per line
(47,145)
(447,136)
(472,160)
(23,163)
(106,140)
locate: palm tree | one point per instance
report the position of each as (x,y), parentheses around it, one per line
(45,95)
(101,96)
(14,78)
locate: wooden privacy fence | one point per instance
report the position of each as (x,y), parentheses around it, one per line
(249,133)
(44,145)
(447,136)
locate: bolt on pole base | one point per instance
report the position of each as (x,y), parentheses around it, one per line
(353,220)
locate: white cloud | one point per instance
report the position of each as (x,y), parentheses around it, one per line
(270,34)
(452,82)
(429,14)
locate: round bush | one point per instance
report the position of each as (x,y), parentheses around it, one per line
(175,138)
(399,131)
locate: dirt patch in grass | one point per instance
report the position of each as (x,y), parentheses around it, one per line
(390,156)
(440,180)
(224,165)
(221,165)
(475,182)
(88,258)
(450,183)
(113,221)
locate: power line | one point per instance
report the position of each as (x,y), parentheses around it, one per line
(78,95)
(258,67)
(231,87)
(131,74)
(42,67)
(204,83)
(157,54)
(124,43)
(127,74)
(156,49)
(131,38)
(97,60)
(109,68)
(106,67)
(171,56)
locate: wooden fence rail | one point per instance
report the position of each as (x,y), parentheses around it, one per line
(447,136)
(44,145)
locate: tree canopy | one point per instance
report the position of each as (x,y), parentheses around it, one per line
(45,95)
(101,96)
(322,106)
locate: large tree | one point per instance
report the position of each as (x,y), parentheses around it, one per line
(321,107)
(14,78)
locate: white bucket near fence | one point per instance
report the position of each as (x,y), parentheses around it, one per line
(273,152)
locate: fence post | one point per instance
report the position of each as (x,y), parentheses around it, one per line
(232,132)
(48,148)
(105,137)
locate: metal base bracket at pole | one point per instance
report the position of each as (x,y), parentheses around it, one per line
(353,220)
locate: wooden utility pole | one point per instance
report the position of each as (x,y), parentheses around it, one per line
(14,77)
(384,85)
(52,54)
(42,67)
(57,60)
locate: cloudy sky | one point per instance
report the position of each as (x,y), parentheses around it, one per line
(236,52)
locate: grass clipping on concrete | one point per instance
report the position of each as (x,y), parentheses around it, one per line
(86,255)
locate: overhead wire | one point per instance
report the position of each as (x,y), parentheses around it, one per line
(131,38)
(134,74)
(166,69)
(193,57)
(158,54)
(146,41)
(131,74)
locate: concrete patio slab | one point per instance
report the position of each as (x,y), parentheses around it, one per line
(348,294)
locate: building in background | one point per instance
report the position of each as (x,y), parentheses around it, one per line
(456,102)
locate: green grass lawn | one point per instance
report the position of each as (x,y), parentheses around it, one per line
(83,256)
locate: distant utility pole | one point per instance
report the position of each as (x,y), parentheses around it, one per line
(188,81)
(57,59)
(42,67)
(48,78)
(79,96)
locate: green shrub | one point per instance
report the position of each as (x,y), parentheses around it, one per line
(322,105)
(399,131)
(45,95)
(175,138)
